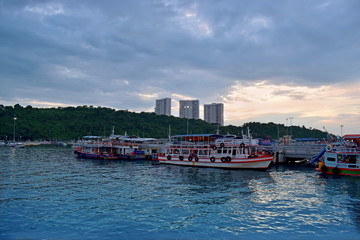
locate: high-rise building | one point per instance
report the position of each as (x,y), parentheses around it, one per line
(214,113)
(189,109)
(163,106)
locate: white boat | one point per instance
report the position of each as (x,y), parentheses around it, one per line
(342,157)
(206,150)
(15,145)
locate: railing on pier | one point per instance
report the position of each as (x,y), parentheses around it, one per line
(343,149)
(297,151)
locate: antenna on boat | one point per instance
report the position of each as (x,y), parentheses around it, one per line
(217,130)
(113,131)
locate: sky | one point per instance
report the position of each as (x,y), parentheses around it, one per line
(286,61)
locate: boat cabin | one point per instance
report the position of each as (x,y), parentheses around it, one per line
(345,154)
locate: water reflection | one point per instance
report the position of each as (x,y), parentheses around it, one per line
(344,192)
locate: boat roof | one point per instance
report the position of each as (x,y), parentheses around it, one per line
(199,135)
(352,136)
(93,137)
(138,139)
(310,139)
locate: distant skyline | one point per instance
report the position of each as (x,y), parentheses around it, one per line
(266,61)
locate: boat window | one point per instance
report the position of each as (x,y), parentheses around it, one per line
(185,151)
(203,152)
(225,150)
(234,152)
(350,159)
(219,151)
(330,159)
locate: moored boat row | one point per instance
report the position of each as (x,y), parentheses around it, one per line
(215,151)
(200,150)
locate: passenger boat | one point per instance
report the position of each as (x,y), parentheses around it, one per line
(342,157)
(127,147)
(94,147)
(217,151)
(116,147)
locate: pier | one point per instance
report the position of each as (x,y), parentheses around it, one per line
(290,153)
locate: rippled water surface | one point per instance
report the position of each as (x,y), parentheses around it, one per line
(47,193)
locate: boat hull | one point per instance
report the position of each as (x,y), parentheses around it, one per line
(250,163)
(80,154)
(341,158)
(95,156)
(339,171)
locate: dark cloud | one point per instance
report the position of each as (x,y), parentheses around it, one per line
(104,53)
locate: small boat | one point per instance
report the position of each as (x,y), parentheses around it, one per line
(342,157)
(15,145)
(216,151)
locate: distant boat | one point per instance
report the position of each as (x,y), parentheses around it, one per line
(29,143)
(15,145)
(216,151)
(342,157)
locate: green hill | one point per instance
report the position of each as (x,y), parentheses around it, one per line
(74,122)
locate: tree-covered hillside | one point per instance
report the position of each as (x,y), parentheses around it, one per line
(74,122)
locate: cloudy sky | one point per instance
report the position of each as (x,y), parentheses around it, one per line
(277,61)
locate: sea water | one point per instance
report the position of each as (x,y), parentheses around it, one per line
(47,193)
